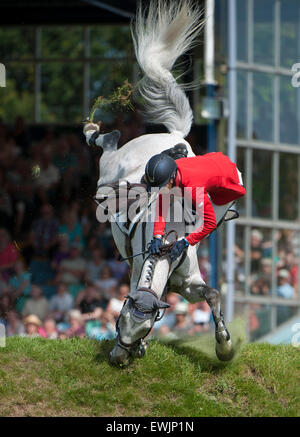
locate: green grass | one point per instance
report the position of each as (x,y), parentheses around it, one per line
(41,377)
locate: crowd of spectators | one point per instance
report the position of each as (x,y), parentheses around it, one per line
(60,273)
(259,282)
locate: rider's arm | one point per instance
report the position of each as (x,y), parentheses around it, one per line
(161,212)
(209,223)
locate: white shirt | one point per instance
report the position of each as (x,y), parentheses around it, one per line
(116,304)
(61,303)
(200,316)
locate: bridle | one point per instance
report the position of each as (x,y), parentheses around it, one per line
(130,347)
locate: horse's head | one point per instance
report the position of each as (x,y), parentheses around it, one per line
(135,322)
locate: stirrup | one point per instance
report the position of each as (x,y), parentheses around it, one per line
(231,214)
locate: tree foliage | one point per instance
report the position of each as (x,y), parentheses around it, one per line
(62,59)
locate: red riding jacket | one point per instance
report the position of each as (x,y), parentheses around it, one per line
(218,176)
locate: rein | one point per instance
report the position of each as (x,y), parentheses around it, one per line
(165,248)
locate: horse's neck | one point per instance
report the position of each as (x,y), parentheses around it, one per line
(155,274)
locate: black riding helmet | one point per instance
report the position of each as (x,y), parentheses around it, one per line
(159,170)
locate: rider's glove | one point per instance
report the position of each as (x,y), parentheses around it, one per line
(177,250)
(155,245)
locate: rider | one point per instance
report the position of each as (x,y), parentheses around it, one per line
(215,172)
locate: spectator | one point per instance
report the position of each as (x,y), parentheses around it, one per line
(290,264)
(119,268)
(240,266)
(201,317)
(14,324)
(20,283)
(44,234)
(63,251)
(6,305)
(101,329)
(32,324)
(50,328)
(103,233)
(265,287)
(71,271)
(72,228)
(76,325)
(89,299)
(92,243)
(37,304)
(66,163)
(4,287)
(256,287)
(256,249)
(266,269)
(285,289)
(106,282)
(169,318)
(182,325)
(116,303)
(21,188)
(61,303)
(8,254)
(253,319)
(49,175)
(95,266)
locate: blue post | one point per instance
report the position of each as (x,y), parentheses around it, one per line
(213,240)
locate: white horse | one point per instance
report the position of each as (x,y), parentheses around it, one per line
(161,35)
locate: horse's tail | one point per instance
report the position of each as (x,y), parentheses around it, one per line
(161,34)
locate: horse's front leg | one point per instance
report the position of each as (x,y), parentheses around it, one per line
(198,290)
(224,349)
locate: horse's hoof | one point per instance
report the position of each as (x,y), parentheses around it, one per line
(140,350)
(224,348)
(110,140)
(225,352)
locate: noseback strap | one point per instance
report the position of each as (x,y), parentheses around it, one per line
(149,290)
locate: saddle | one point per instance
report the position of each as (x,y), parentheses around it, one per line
(177,152)
(124,194)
